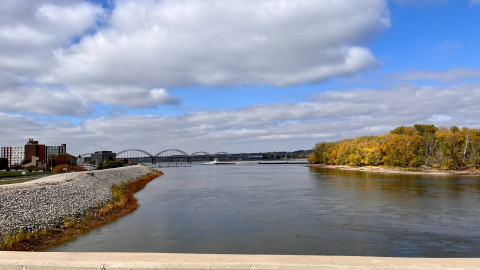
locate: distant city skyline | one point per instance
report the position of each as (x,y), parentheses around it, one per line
(235,76)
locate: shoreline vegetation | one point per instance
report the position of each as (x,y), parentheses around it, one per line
(123,203)
(417,149)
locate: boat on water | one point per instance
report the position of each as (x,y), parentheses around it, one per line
(216,162)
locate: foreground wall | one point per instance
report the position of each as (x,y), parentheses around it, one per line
(46,202)
(105,261)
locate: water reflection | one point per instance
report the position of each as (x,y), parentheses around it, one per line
(398,185)
(291,209)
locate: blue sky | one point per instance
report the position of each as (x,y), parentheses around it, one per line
(235,76)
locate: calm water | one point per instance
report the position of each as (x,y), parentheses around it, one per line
(291,209)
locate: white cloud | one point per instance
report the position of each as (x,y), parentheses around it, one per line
(451,75)
(327,116)
(180,43)
(29,32)
(43,101)
(145,47)
(474,2)
(21,95)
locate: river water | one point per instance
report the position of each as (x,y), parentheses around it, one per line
(292,209)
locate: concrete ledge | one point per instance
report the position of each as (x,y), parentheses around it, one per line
(59,260)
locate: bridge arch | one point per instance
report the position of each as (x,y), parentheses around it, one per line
(134,150)
(172,151)
(223,156)
(201,156)
(201,153)
(172,155)
(135,154)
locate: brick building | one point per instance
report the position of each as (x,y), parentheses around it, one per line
(17,154)
(33,149)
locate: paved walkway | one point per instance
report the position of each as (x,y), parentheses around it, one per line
(43,180)
(53,261)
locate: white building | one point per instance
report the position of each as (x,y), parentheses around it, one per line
(55,150)
(14,154)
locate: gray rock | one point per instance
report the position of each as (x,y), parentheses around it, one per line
(46,203)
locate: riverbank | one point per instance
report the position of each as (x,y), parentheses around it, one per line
(43,210)
(410,171)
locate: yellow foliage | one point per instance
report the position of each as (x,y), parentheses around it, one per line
(420,145)
(61,168)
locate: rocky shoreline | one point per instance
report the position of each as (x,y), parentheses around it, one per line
(410,171)
(47,202)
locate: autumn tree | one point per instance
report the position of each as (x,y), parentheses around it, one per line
(65,158)
(405,146)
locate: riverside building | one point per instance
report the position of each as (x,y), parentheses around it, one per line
(55,150)
(17,154)
(100,156)
(14,154)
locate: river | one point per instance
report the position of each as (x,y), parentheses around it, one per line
(292,209)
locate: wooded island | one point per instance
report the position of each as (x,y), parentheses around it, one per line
(406,146)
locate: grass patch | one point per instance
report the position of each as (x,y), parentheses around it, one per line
(123,203)
(18,174)
(5,182)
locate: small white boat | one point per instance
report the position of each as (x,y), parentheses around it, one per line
(216,162)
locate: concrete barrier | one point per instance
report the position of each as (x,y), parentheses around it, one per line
(105,261)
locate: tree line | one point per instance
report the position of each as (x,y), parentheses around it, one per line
(405,146)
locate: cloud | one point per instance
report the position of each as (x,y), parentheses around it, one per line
(29,32)
(166,44)
(21,95)
(474,2)
(327,116)
(129,95)
(131,53)
(451,75)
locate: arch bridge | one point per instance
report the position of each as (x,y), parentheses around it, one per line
(168,155)
(137,155)
(172,155)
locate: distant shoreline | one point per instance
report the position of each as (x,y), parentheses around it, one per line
(409,171)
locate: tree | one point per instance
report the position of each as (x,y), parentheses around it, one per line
(62,168)
(100,165)
(427,133)
(16,167)
(3,164)
(112,163)
(405,146)
(64,159)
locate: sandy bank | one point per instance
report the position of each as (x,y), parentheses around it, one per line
(385,170)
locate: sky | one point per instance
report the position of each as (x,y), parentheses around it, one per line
(233,76)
